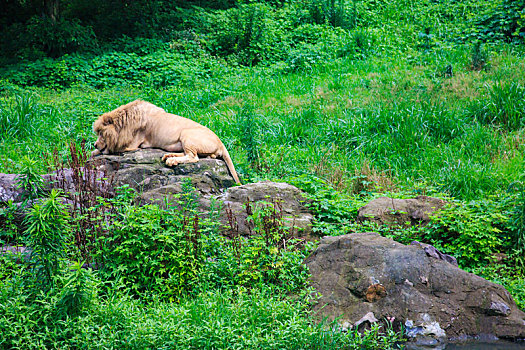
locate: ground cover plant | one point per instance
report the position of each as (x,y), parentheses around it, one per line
(348,100)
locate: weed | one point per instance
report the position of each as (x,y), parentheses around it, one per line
(248,136)
(29,181)
(84,185)
(78,293)
(479,57)
(48,234)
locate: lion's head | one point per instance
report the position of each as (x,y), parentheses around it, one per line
(117,129)
(108,135)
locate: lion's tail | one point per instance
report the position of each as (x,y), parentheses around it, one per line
(229,164)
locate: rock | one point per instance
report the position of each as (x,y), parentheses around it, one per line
(8,188)
(19,253)
(369,317)
(155,182)
(287,198)
(390,211)
(436,254)
(144,171)
(429,296)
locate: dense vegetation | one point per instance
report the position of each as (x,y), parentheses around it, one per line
(348,100)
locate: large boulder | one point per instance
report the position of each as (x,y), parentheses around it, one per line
(364,277)
(144,171)
(401,212)
(155,182)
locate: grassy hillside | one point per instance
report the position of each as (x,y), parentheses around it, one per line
(346,100)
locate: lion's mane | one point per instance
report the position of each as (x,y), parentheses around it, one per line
(119,127)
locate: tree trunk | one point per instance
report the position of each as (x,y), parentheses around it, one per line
(51,9)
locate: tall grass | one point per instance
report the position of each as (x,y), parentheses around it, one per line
(504,105)
(18,118)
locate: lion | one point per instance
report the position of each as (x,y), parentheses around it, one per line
(140,124)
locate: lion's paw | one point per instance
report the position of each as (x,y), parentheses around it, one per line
(171,162)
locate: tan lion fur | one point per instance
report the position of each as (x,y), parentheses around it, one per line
(140,124)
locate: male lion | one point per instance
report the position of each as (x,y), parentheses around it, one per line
(140,124)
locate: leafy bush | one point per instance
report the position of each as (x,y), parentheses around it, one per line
(149,249)
(9,223)
(77,293)
(479,56)
(333,211)
(248,130)
(29,181)
(211,320)
(517,221)
(269,257)
(472,232)
(18,118)
(503,20)
(328,11)
(245,32)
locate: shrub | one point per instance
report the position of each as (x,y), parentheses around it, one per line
(472,232)
(517,246)
(148,249)
(248,130)
(9,223)
(501,21)
(18,118)
(328,11)
(270,257)
(479,57)
(78,292)
(245,32)
(30,181)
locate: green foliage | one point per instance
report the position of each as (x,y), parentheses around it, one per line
(248,131)
(501,20)
(211,320)
(328,11)
(270,257)
(148,249)
(334,212)
(19,118)
(78,292)
(55,38)
(479,57)
(472,231)
(244,32)
(114,69)
(517,222)
(47,234)
(9,225)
